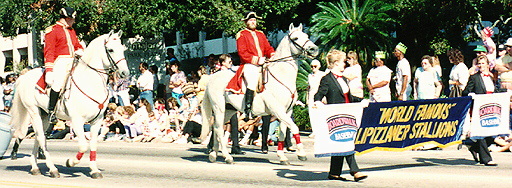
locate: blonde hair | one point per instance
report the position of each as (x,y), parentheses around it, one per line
(202,69)
(435,60)
(334,56)
(353,55)
(129,109)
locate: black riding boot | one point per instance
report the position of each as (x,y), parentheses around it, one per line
(249,96)
(54,96)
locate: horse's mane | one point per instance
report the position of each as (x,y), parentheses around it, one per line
(93,46)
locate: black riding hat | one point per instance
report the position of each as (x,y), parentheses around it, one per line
(67,12)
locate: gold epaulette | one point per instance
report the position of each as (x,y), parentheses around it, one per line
(238,35)
(48,29)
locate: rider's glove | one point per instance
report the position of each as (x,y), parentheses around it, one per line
(261,61)
(79,53)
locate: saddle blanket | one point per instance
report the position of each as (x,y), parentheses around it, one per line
(236,85)
(41,83)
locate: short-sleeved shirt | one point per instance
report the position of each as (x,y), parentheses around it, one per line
(145,81)
(403,68)
(180,76)
(460,72)
(377,75)
(356,84)
(426,83)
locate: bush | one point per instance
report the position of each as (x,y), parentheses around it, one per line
(301,118)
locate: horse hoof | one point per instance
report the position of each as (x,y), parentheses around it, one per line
(302,158)
(35,172)
(14,156)
(96,175)
(284,163)
(55,174)
(229,161)
(68,163)
(212,157)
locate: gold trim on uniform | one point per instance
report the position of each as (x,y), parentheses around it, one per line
(256,43)
(48,30)
(238,35)
(254,60)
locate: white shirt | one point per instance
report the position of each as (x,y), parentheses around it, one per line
(403,68)
(460,72)
(314,82)
(145,81)
(343,84)
(439,70)
(377,75)
(356,84)
(489,84)
(426,83)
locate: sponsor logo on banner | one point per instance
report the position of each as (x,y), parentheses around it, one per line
(342,127)
(490,115)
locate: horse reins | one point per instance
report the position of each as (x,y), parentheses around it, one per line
(113,66)
(304,51)
(301,48)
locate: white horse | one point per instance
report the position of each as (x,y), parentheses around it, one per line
(277,99)
(84,100)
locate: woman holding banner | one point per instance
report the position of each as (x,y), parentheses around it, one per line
(481,82)
(334,87)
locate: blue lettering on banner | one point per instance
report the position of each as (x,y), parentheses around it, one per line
(490,122)
(343,136)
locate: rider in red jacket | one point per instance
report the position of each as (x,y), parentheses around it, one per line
(61,46)
(253,49)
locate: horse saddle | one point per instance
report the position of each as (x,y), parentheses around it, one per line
(238,85)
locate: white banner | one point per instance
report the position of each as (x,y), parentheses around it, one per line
(490,116)
(335,127)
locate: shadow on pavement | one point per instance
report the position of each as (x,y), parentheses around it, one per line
(301,175)
(65,172)
(449,161)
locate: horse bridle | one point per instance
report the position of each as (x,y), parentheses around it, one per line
(113,67)
(300,47)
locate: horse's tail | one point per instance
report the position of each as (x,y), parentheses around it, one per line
(20,120)
(206,114)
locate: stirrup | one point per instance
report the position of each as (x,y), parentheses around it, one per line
(52,117)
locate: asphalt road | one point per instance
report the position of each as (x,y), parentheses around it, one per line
(184,165)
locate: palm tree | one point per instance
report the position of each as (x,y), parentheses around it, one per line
(362,26)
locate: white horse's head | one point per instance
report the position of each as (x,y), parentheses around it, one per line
(114,59)
(108,50)
(301,43)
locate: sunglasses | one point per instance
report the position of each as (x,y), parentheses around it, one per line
(314,66)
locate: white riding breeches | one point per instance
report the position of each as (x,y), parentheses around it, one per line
(57,78)
(251,75)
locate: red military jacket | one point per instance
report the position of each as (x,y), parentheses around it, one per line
(60,41)
(251,45)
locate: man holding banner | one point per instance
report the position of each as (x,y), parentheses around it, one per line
(334,87)
(487,116)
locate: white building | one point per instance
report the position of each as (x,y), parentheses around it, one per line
(15,50)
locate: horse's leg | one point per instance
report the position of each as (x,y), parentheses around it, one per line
(78,128)
(283,160)
(294,129)
(95,128)
(14,152)
(42,151)
(286,121)
(33,159)
(38,125)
